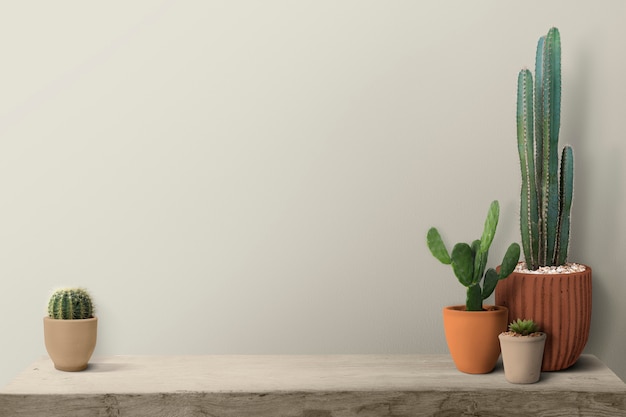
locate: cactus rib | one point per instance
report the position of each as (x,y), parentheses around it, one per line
(528,208)
(70,304)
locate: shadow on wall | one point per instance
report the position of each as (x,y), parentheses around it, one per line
(597,209)
(600,240)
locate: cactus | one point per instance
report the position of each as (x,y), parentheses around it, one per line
(546,196)
(469,261)
(70,304)
(523,327)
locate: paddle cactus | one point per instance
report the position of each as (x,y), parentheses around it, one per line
(469,261)
(70,304)
(546,196)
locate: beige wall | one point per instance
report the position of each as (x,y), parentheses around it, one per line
(259,176)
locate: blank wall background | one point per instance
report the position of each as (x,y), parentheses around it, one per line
(258,177)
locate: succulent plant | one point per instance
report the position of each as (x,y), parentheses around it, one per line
(546,195)
(523,327)
(469,261)
(70,304)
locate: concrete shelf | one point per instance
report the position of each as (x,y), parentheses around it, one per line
(304,386)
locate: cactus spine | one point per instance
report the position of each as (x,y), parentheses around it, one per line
(546,196)
(469,262)
(70,304)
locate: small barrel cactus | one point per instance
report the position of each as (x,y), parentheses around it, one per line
(469,261)
(523,327)
(70,304)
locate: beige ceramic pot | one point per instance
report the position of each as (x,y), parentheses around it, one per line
(472,337)
(560,304)
(70,343)
(522,357)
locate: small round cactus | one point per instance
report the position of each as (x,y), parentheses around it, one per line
(70,304)
(523,327)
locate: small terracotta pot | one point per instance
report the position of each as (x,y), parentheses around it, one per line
(522,357)
(70,343)
(472,336)
(560,304)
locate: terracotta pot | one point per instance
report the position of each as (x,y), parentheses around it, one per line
(472,337)
(70,343)
(559,303)
(522,357)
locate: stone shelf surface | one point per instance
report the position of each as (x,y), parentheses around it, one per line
(304,386)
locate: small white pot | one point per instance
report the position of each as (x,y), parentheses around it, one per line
(522,357)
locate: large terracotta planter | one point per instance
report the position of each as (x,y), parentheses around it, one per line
(522,357)
(559,303)
(472,337)
(70,343)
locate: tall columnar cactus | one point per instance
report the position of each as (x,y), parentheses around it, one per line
(70,304)
(469,261)
(546,196)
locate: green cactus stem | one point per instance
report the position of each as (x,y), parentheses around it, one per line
(70,304)
(529,210)
(469,261)
(546,196)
